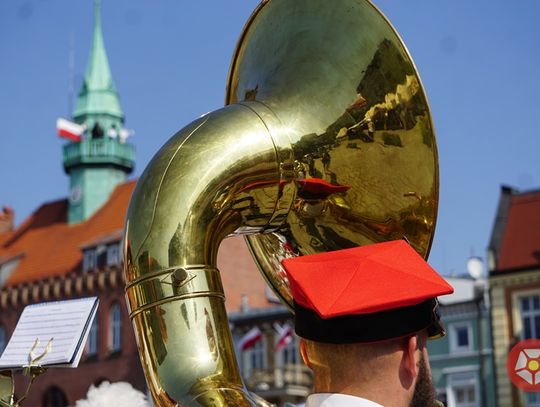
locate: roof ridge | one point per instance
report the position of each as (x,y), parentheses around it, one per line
(531,191)
(27,222)
(526,198)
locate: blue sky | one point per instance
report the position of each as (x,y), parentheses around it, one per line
(169,58)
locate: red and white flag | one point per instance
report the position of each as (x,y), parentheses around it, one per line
(69,130)
(284,335)
(249,340)
(125,133)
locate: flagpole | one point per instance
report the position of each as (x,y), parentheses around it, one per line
(71,74)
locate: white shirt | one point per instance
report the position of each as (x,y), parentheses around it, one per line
(338,400)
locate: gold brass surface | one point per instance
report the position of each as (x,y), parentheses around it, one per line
(355,114)
(320,91)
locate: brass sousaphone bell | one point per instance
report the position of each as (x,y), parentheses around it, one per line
(326,142)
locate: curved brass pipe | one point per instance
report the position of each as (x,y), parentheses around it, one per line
(183,206)
(327,143)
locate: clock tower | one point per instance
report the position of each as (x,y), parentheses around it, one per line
(101,159)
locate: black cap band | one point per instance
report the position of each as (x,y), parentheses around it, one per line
(372,327)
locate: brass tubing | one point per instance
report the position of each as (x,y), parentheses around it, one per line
(160,289)
(200,187)
(321,93)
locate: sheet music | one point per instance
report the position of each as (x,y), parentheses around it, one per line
(66,322)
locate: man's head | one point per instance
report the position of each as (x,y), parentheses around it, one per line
(364,316)
(390,372)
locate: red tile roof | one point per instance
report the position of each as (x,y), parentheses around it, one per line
(51,247)
(520,246)
(3,237)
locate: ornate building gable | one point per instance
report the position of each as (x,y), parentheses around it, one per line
(514,281)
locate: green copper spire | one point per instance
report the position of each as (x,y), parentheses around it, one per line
(98,98)
(103,158)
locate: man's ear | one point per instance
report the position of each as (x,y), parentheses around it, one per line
(303,352)
(411,357)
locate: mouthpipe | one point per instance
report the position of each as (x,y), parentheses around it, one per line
(210,180)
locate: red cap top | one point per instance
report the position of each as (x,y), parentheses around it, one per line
(363,280)
(319,186)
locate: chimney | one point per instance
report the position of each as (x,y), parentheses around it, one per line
(244,303)
(7,219)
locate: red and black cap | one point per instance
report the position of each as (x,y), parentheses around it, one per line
(365,294)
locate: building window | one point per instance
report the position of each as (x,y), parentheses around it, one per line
(441,396)
(460,337)
(533,399)
(257,359)
(92,343)
(463,390)
(89,260)
(101,256)
(54,397)
(2,338)
(116,328)
(530,316)
(113,254)
(290,354)
(254,358)
(464,396)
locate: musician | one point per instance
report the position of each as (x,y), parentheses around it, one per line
(364,316)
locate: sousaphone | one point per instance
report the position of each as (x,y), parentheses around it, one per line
(326,142)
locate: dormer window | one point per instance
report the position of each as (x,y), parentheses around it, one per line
(103,252)
(101,256)
(89,260)
(7,268)
(113,254)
